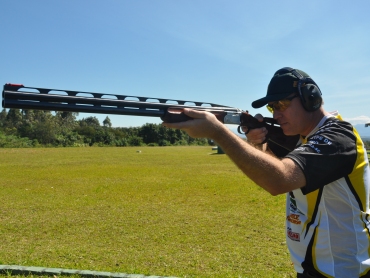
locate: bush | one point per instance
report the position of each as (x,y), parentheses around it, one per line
(136,141)
(12,141)
(152,145)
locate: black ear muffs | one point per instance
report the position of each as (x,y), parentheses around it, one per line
(309,92)
(310,95)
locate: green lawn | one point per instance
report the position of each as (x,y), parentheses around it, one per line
(166,211)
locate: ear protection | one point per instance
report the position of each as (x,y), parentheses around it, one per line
(309,92)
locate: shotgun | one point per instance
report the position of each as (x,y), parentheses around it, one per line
(18,96)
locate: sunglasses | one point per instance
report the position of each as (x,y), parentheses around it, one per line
(280,105)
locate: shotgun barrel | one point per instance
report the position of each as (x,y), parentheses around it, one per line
(22,97)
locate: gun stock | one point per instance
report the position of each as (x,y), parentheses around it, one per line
(169,110)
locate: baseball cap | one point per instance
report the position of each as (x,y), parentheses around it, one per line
(282,84)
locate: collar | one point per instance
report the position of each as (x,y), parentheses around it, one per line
(333,114)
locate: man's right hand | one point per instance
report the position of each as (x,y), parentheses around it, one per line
(256,136)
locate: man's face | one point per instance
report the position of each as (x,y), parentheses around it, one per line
(290,115)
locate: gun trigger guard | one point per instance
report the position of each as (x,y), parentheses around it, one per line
(240,132)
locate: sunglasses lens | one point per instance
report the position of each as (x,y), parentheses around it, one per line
(270,108)
(280,105)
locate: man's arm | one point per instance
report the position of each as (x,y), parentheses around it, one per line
(275,175)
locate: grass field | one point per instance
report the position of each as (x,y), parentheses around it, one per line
(166,211)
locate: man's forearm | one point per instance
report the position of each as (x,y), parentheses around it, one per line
(274,175)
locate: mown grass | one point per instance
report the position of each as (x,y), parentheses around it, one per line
(166,211)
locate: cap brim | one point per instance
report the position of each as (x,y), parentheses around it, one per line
(263,101)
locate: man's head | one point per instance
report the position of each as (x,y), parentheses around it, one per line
(287,82)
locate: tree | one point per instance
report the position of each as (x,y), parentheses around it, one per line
(14,118)
(42,116)
(90,121)
(28,116)
(45,133)
(107,122)
(66,119)
(3,115)
(149,133)
(65,126)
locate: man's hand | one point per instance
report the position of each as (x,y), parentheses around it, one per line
(257,135)
(203,125)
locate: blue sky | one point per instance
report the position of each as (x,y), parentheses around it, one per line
(216,51)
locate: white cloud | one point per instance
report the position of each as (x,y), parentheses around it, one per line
(358,120)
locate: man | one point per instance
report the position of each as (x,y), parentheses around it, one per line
(326,177)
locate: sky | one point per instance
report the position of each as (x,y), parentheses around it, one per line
(214,51)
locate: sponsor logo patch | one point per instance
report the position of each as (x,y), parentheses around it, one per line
(293,206)
(294,218)
(292,235)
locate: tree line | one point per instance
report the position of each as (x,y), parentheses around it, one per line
(37,128)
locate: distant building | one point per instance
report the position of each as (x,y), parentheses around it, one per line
(368,124)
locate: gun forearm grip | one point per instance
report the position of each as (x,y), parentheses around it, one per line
(174,115)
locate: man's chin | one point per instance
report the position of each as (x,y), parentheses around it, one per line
(288,132)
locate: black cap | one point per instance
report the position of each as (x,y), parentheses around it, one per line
(282,84)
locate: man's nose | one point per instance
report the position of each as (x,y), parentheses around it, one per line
(276,114)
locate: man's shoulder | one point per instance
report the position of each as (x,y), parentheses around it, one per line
(334,125)
(333,133)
